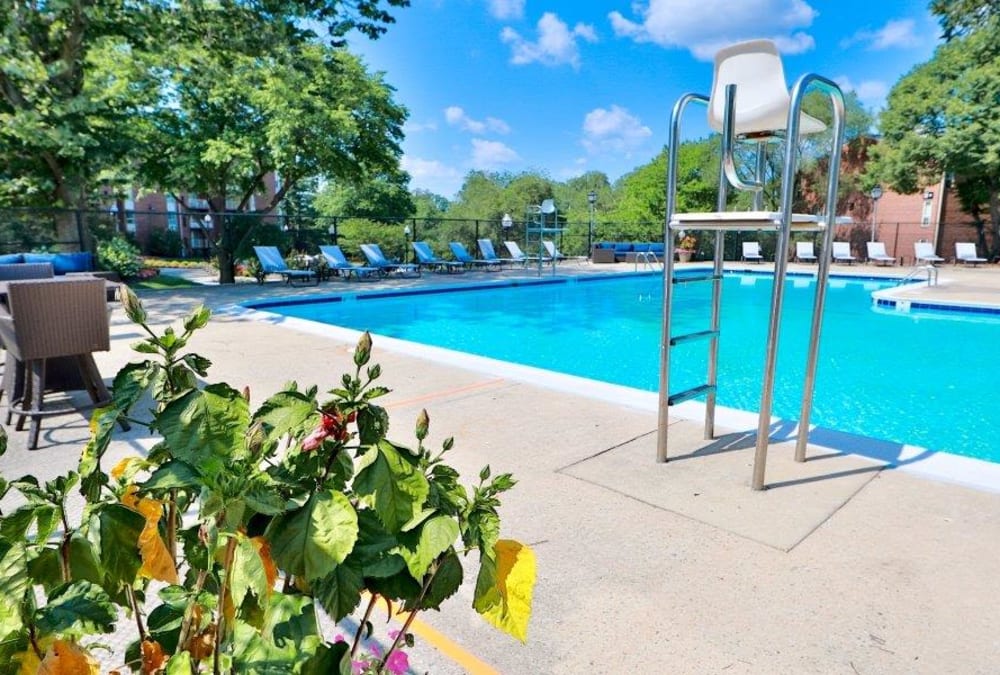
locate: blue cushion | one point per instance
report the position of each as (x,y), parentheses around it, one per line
(640,247)
(623,246)
(11,258)
(72,262)
(605,244)
(656,247)
(39,258)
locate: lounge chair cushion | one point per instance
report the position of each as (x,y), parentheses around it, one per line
(11,258)
(63,263)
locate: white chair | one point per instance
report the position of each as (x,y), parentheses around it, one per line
(923,251)
(517,255)
(965,252)
(762,98)
(751,252)
(842,252)
(877,254)
(804,251)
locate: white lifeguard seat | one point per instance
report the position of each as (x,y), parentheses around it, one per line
(762,98)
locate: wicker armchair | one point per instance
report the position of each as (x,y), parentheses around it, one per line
(17,271)
(48,319)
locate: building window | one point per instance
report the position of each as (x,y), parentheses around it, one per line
(172,219)
(925,216)
(130,216)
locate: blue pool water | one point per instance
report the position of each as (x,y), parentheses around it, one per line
(925,379)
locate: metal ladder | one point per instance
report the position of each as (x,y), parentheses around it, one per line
(932,274)
(784,222)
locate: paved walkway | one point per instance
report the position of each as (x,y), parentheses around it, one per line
(841,566)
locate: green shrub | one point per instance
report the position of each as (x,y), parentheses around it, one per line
(118,255)
(164,243)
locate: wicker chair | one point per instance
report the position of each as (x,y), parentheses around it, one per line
(18,271)
(48,319)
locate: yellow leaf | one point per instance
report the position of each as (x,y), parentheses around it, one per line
(157,562)
(515,583)
(264,551)
(153,658)
(121,467)
(67,658)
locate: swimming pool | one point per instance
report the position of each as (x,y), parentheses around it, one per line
(909,378)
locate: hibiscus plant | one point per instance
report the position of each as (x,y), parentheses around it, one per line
(225,544)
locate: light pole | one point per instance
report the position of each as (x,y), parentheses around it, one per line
(876,194)
(406,244)
(506,223)
(332,231)
(592,201)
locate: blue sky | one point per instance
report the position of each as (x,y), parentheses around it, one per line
(564,87)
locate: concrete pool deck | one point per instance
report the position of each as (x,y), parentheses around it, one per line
(842,565)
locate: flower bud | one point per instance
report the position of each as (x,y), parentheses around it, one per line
(133,308)
(363,350)
(423,422)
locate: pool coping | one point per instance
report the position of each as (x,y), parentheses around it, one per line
(933,464)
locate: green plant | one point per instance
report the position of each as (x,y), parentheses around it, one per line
(687,243)
(246,520)
(118,255)
(165,243)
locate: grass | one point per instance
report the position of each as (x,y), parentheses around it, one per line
(161,281)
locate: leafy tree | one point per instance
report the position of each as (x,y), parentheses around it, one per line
(382,197)
(943,117)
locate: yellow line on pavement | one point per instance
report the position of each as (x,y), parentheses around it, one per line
(452,650)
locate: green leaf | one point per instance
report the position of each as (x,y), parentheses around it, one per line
(15,524)
(284,412)
(130,384)
(289,637)
(14,583)
(446,582)
(120,528)
(373,424)
(77,608)
(247,573)
(174,474)
(179,664)
(102,422)
(328,659)
(394,487)
(197,319)
(205,428)
(46,567)
(339,592)
(311,540)
(436,536)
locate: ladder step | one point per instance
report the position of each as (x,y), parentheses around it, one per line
(694,392)
(688,280)
(700,335)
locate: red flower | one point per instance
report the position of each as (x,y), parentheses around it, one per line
(333,425)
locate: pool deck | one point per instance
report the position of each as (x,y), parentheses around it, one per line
(842,565)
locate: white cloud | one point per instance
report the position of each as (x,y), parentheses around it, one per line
(432,175)
(703,26)
(871,92)
(614,130)
(411,127)
(456,117)
(507,9)
(897,33)
(556,45)
(491,154)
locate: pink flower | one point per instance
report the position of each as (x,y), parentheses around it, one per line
(398,663)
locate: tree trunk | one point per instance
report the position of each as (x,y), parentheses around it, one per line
(995,220)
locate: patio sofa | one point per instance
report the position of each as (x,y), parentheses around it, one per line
(624,251)
(62,263)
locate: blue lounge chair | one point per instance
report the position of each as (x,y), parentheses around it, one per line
(271,262)
(462,255)
(427,258)
(486,249)
(373,254)
(337,262)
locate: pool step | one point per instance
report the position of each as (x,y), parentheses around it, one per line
(693,392)
(689,337)
(692,279)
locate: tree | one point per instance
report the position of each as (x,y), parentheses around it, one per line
(943,117)
(384,197)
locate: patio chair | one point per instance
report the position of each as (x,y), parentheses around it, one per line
(751,252)
(15,271)
(427,258)
(804,252)
(924,251)
(462,255)
(877,254)
(271,262)
(965,252)
(842,252)
(557,255)
(373,254)
(337,262)
(488,253)
(517,255)
(52,319)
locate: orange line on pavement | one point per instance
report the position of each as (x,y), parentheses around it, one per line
(446,392)
(452,650)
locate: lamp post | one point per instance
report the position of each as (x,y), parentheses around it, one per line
(332,231)
(876,195)
(406,244)
(506,223)
(592,201)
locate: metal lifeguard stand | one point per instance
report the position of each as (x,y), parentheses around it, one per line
(540,220)
(750,103)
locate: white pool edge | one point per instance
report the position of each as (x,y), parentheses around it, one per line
(936,465)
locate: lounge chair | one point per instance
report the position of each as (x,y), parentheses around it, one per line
(965,252)
(923,251)
(486,249)
(842,252)
(751,252)
(271,262)
(557,255)
(337,262)
(517,255)
(427,258)
(804,252)
(462,255)
(373,254)
(877,254)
